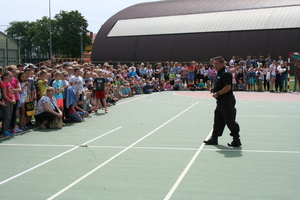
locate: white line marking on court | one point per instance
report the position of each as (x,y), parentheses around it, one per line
(118,154)
(271,116)
(186,169)
(135,99)
(47,161)
(154,148)
(39,145)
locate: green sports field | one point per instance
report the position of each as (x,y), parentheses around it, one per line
(150,147)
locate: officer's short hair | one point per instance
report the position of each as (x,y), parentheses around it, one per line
(220,59)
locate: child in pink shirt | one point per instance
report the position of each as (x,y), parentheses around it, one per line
(9,99)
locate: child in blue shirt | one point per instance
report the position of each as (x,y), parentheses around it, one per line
(58,90)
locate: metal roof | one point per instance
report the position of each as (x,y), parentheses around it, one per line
(279,35)
(250,19)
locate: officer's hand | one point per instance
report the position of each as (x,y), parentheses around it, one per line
(215,95)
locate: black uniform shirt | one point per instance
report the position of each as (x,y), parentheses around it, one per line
(100,84)
(224,77)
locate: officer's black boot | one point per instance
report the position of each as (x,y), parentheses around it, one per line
(212,141)
(236,142)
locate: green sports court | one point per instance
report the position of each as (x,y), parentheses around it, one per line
(150,147)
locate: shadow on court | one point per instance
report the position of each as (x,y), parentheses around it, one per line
(229,152)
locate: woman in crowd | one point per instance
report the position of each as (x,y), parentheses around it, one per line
(265,72)
(47,109)
(272,69)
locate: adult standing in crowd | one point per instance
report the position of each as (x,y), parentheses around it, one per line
(297,75)
(184,71)
(142,71)
(272,69)
(157,71)
(225,112)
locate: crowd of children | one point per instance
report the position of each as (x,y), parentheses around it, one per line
(82,89)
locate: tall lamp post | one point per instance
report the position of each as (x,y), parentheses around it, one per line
(50,34)
(81,45)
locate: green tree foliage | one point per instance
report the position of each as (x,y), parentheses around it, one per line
(70,26)
(23,33)
(67,30)
(41,39)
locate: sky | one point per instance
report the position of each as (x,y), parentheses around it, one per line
(96,12)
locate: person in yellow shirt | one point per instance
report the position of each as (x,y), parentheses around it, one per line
(42,83)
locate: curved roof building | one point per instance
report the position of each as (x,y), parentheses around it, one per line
(184,30)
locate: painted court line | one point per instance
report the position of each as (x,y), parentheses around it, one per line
(39,145)
(118,154)
(186,169)
(269,116)
(155,148)
(135,99)
(47,161)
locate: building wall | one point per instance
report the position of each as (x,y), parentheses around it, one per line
(9,51)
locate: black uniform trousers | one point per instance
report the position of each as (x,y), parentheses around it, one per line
(225,114)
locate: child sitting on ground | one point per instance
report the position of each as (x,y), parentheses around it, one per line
(147,89)
(241,86)
(123,93)
(201,85)
(157,87)
(167,86)
(191,86)
(75,112)
(178,85)
(137,87)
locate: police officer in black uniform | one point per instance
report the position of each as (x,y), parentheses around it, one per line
(225,111)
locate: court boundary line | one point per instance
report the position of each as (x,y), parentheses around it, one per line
(155,148)
(186,169)
(55,157)
(128,101)
(270,116)
(118,154)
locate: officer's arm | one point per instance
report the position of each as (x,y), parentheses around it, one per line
(225,89)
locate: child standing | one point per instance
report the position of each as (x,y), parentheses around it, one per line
(23,98)
(42,83)
(2,103)
(99,85)
(58,90)
(233,72)
(9,100)
(251,75)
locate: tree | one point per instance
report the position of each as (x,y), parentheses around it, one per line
(70,27)
(41,38)
(23,33)
(67,30)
